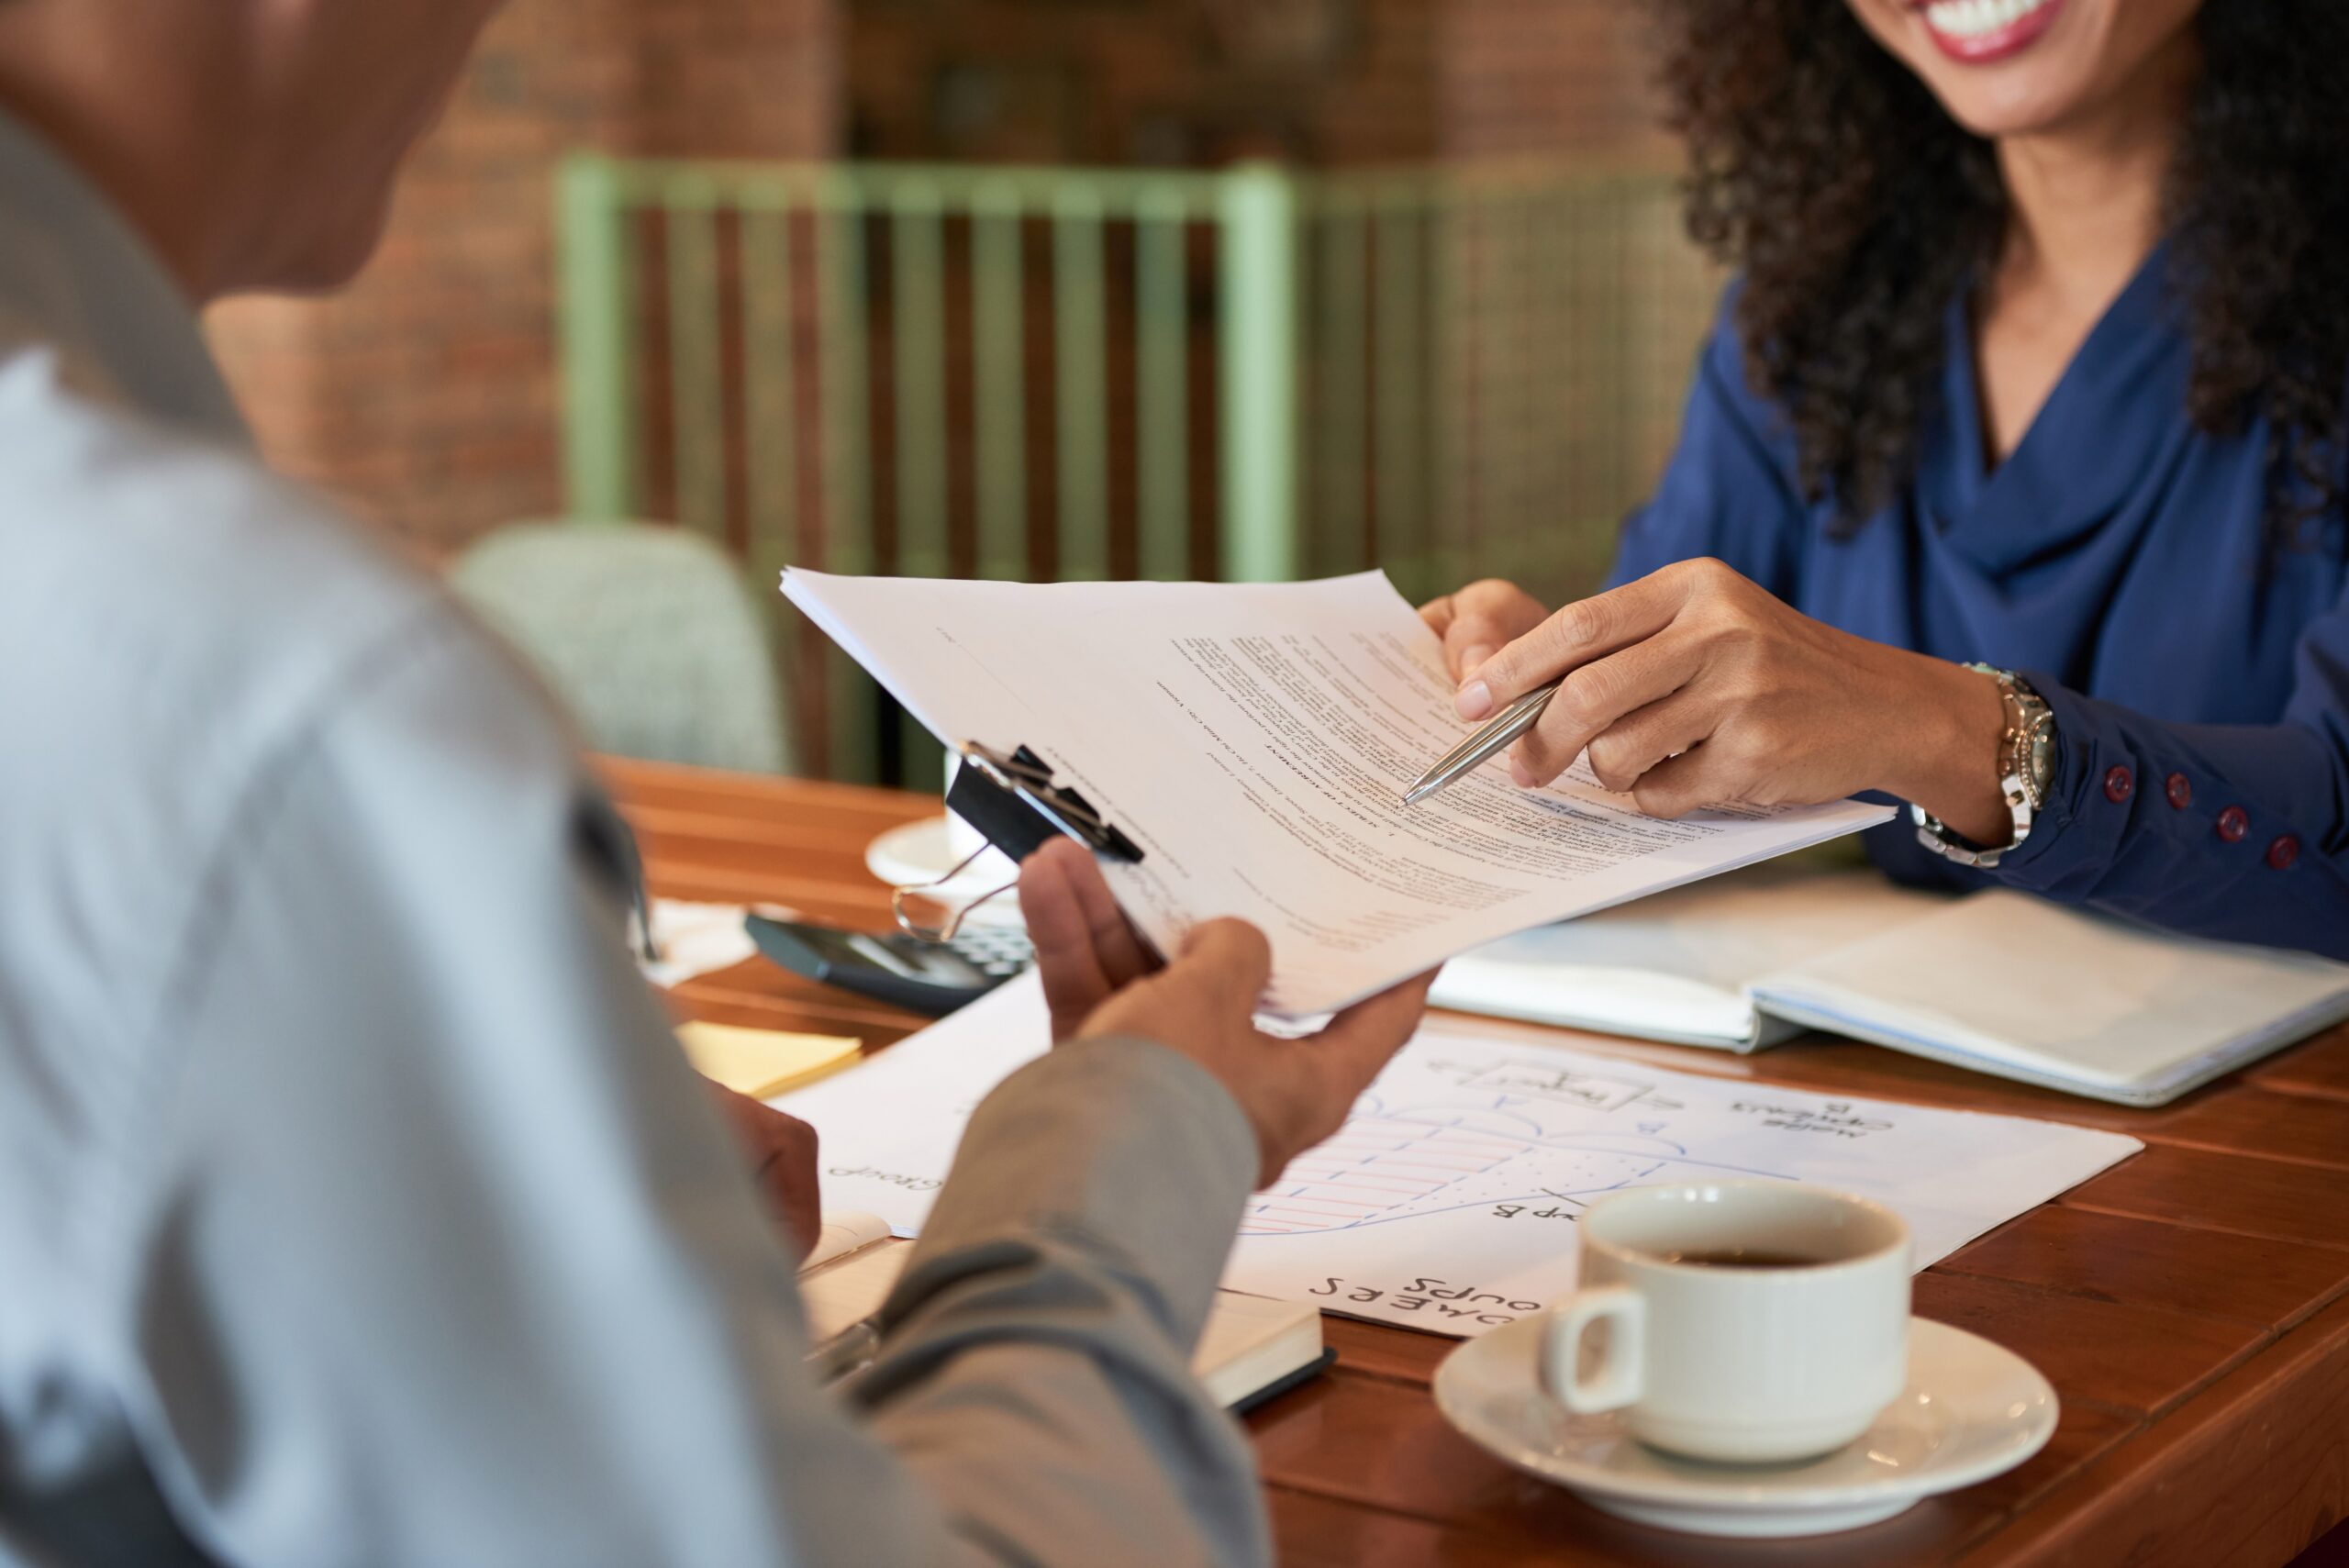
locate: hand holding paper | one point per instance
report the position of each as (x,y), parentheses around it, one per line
(1098,982)
(1254,739)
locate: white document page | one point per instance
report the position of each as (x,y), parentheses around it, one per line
(1448,1201)
(1255,740)
(890,1164)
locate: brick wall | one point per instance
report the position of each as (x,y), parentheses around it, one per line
(425,396)
(1532,76)
(1202,82)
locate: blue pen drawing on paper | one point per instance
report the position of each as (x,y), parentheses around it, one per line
(1515,1131)
(1449,1200)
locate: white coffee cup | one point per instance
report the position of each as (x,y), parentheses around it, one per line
(1788,1343)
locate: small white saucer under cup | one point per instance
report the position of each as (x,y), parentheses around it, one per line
(1971,1410)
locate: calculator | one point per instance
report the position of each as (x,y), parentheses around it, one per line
(930,978)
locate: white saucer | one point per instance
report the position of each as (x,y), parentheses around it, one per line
(921,852)
(1972,1410)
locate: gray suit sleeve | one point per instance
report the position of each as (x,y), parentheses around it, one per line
(437,1253)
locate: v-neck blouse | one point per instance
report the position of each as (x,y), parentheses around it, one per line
(2121,558)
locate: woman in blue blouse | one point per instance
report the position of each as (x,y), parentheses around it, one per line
(2038,359)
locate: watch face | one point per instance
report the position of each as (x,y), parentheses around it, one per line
(2039,775)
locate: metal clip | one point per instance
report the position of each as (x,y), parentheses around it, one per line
(1011,799)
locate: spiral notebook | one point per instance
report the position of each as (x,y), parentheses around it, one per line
(2000,981)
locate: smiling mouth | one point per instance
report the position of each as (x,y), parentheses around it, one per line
(1979,32)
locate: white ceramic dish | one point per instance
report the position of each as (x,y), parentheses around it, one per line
(1971,1410)
(921,853)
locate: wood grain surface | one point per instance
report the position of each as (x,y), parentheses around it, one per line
(2191,1306)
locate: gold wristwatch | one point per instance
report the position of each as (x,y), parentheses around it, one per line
(2026,763)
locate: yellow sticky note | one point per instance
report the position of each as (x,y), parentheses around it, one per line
(764,1062)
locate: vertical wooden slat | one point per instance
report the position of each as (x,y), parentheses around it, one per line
(848,520)
(697,391)
(1343,536)
(1616,289)
(1080,364)
(1521,553)
(1162,390)
(1598,329)
(1563,369)
(999,279)
(600,408)
(1400,494)
(1453,340)
(770,395)
(1258,352)
(918,328)
(1496,393)
(770,405)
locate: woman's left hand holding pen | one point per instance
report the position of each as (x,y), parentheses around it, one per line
(1694,686)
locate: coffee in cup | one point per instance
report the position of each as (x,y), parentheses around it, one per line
(1747,1321)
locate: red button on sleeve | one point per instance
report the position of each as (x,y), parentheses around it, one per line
(2179,789)
(2283,852)
(2118,786)
(2234,824)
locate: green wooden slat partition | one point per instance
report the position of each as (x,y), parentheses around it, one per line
(1162,385)
(1449,372)
(770,390)
(1341,535)
(854,750)
(1080,374)
(998,326)
(1400,500)
(696,391)
(917,331)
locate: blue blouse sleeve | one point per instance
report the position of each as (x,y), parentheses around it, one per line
(1730,490)
(2238,832)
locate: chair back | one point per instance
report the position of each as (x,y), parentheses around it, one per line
(646,632)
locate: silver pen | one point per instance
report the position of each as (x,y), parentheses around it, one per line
(1493,736)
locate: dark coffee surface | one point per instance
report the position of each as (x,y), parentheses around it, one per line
(1745,1258)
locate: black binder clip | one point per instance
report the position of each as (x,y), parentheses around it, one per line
(1017,807)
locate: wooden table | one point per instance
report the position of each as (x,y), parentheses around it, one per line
(2191,1306)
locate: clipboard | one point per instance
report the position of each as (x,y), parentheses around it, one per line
(1011,799)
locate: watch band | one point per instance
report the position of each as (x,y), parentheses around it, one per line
(2025,765)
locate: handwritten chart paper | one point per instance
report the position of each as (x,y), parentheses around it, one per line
(1448,1201)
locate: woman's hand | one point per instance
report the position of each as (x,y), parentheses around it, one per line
(1480,620)
(1694,687)
(1099,980)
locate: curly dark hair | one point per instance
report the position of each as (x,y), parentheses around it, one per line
(1856,207)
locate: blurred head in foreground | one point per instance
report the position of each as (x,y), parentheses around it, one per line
(253,143)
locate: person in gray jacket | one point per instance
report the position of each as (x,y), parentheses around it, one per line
(357,1205)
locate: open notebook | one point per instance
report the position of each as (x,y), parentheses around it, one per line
(2001,981)
(1252,1350)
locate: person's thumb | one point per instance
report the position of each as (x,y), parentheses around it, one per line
(1229,958)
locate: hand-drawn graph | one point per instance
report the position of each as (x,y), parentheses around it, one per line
(1515,1130)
